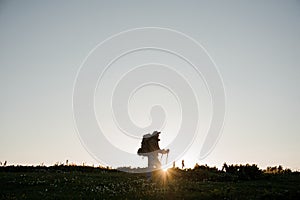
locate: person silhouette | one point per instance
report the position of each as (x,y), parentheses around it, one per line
(151,149)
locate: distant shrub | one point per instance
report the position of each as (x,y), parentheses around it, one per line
(277,170)
(243,172)
(206,168)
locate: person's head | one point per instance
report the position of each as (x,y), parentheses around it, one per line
(156,134)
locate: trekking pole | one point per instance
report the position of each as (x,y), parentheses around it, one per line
(167,158)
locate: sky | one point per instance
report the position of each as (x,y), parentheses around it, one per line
(255,45)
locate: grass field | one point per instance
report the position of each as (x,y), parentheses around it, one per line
(70,182)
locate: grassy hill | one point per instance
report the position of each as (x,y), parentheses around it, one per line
(202,182)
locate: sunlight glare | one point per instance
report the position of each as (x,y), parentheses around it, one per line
(165,169)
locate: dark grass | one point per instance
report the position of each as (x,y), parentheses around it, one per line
(70,182)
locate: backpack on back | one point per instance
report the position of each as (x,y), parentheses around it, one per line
(149,143)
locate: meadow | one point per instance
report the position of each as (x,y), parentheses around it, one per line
(202,182)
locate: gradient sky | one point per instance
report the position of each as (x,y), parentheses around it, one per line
(256,45)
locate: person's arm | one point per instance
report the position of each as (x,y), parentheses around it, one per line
(164,151)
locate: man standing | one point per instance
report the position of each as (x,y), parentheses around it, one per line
(151,149)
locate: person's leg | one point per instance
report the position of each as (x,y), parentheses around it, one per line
(150,167)
(149,176)
(156,161)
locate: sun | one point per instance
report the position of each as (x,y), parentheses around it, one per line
(165,169)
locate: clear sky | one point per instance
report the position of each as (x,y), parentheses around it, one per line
(255,44)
